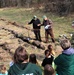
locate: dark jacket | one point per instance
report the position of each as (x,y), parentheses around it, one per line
(48,60)
(65,62)
(35,23)
(24,69)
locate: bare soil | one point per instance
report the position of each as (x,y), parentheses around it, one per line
(9,42)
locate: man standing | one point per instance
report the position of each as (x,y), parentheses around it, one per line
(35,21)
(48,28)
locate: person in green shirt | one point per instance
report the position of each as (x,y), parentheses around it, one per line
(65,61)
(21,65)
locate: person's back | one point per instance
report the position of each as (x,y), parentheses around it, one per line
(65,64)
(65,61)
(21,65)
(25,69)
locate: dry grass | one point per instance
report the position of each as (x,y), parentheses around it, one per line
(62,25)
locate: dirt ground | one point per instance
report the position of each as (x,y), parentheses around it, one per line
(9,43)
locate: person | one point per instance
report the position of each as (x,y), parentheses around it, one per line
(32,59)
(21,65)
(48,70)
(48,29)
(48,58)
(65,61)
(50,48)
(35,21)
(3,70)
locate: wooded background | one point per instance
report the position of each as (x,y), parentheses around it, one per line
(61,7)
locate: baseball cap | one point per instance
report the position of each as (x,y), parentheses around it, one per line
(34,17)
(44,17)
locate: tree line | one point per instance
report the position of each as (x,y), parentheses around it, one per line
(62,7)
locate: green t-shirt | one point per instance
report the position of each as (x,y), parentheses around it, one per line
(25,69)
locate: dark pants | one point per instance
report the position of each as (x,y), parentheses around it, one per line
(49,32)
(37,34)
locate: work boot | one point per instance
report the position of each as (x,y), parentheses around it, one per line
(53,40)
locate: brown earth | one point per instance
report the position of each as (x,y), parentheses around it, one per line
(9,42)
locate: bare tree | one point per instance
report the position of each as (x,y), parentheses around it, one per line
(62,7)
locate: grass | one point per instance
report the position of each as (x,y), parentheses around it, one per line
(61,25)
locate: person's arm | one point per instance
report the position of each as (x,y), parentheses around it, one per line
(43,63)
(31,22)
(41,24)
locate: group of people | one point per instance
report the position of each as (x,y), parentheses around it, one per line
(47,26)
(27,64)
(24,64)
